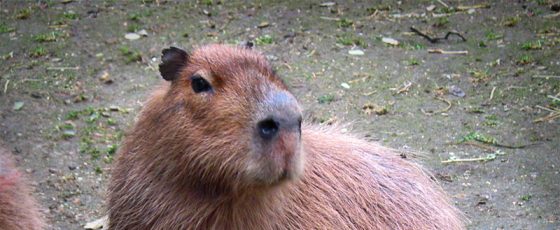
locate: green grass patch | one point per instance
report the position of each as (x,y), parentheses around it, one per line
(380,7)
(264,40)
(413,61)
(130,55)
(525,59)
(532,45)
(476,136)
(490,121)
(344,23)
(47,37)
(5,28)
(325,99)
(480,75)
(97,138)
(445,10)
(23,13)
(70,15)
(207,2)
(133,27)
(412,46)
(349,39)
(138,15)
(511,21)
(526,197)
(482,44)
(441,22)
(491,35)
(38,51)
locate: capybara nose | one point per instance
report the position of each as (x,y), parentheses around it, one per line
(285,121)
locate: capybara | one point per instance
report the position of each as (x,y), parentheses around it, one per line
(18,209)
(221,145)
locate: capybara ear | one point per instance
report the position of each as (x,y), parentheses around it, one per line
(173,60)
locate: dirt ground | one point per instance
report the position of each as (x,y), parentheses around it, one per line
(71,85)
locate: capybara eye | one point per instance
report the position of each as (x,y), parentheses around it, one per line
(267,129)
(199,84)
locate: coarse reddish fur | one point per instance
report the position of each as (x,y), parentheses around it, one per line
(18,209)
(189,163)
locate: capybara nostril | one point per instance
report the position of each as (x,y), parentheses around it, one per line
(267,128)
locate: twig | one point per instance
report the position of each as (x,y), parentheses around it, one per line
(437,39)
(545,108)
(487,158)
(6,86)
(552,15)
(441,110)
(287,66)
(440,51)
(369,93)
(479,6)
(497,144)
(311,53)
(546,76)
(63,68)
(405,88)
(482,146)
(330,18)
(443,3)
(515,146)
(487,102)
(362,79)
(58,26)
(553,97)
(548,117)
(492,93)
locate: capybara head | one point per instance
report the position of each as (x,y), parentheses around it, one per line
(241,124)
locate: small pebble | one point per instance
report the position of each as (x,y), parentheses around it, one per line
(456,91)
(390,41)
(356,52)
(132,36)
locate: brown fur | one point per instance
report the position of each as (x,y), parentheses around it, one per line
(18,210)
(193,162)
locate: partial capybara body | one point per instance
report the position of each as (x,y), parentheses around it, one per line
(18,209)
(222,147)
